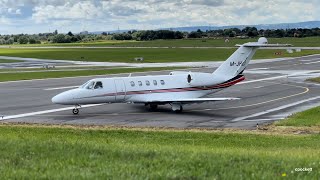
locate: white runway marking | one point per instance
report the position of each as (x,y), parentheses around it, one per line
(44,112)
(260,69)
(258,87)
(257,120)
(313,62)
(274,109)
(264,79)
(67,87)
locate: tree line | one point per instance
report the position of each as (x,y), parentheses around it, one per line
(148,35)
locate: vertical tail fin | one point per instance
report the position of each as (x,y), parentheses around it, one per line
(240,59)
(236,63)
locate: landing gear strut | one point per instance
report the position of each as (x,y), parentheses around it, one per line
(75,111)
(177,108)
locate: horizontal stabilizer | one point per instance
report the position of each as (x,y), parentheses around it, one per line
(263,45)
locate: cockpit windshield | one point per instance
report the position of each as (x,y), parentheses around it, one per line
(92,85)
(84,85)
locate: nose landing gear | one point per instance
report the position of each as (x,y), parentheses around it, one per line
(75,111)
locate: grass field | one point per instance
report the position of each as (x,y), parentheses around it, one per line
(308,118)
(9,61)
(58,68)
(298,42)
(14,76)
(316,80)
(150,55)
(81,153)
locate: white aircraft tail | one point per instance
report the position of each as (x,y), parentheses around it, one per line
(240,59)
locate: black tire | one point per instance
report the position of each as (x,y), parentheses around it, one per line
(75,111)
(153,107)
(180,110)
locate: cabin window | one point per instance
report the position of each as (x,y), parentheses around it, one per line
(147,83)
(132,83)
(155,82)
(140,83)
(98,85)
(162,82)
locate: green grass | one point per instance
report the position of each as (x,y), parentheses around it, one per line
(316,80)
(14,76)
(298,42)
(61,153)
(308,118)
(58,68)
(150,55)
(9,61)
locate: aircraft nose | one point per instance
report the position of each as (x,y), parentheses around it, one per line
(58,99)
(64,98)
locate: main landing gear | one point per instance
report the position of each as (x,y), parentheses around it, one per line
(152,107)
(178,108)
(75,111)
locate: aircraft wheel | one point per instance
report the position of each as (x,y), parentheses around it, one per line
(75,111)
(153,107)
(179,110)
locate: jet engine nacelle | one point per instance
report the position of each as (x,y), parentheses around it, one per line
(178,72)
(199,79)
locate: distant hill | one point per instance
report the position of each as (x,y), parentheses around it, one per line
(307,25)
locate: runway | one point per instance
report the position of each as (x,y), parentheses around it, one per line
(272,91)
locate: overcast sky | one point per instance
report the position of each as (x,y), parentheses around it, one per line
(34,16)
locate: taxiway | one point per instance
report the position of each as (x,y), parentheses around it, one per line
(272,90)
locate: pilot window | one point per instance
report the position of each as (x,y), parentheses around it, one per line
(85,84)
(90,85)
(132,83)
(140,83)
(98,85)
(147,83)
(155,82)
(162,82)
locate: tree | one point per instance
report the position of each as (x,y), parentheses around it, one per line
(32,41)
(23,40)
(178,35)
(10,40)
(2,41)
(194,34)
(70,33)
(58,38)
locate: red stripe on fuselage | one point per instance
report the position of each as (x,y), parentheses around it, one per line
(219,86)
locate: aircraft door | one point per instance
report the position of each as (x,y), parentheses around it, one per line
(120,90)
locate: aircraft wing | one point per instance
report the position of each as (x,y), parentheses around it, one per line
(189,100)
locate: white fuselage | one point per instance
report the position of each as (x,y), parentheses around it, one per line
(141,89)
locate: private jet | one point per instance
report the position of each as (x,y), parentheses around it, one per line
(178,89)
